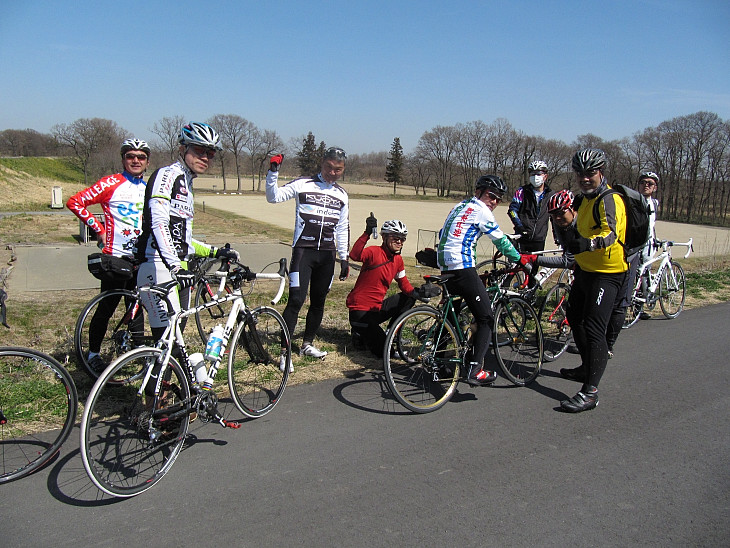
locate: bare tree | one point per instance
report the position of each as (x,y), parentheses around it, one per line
(91,139)
(168,131)
(263,146)
(235,133)
(439,144)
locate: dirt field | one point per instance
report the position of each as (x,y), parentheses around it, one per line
(430,214)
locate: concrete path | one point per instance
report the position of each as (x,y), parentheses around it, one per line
(50,268)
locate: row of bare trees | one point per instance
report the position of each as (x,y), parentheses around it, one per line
(691,155)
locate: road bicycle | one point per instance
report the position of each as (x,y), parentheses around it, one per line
(552,306)
(667,286)
(427,348)
(126,328)
(137,414)
(38,404)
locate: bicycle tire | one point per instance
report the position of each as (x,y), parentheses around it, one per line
(38,405)
(255,378)
(517,340)
(428,380)
(672,288)
(125,329)
(556,331)
(129,442)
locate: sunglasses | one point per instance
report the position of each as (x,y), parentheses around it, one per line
(589,173)
(202,152)
(494,197)
(140,157)
(397,238)
(647,183)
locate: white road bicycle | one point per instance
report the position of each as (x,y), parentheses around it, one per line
(137,414)
(667,285)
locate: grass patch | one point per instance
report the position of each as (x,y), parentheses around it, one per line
(59,169)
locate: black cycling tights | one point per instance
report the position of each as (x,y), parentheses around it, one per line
(308,267)
(593,300)
(468,285)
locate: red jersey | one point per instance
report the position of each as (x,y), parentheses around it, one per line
(121,197)
(379,268)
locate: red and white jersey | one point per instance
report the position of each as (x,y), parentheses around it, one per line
(121,197)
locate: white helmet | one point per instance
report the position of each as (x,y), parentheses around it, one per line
(198,133)
(537,165)
(394,227)
(135,144)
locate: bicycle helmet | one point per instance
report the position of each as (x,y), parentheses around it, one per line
(537,165)
(589,159)
(334,153)
(560,201)
(198,133)
(394,227)
(649,175)
(135,144)
(493,183)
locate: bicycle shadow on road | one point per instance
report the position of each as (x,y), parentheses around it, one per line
(68,482)
(368,391)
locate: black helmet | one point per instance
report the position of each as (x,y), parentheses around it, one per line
(589,159)
(493,183)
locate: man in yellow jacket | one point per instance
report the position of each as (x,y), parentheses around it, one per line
(600,276)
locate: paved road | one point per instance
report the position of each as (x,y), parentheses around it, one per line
(340,464)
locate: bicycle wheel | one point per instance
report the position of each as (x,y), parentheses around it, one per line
(517,340)
(124,330)
(556,332)
(672,287)
(130,441)
(205,320)
(428,378)
(255,377)
(38,403)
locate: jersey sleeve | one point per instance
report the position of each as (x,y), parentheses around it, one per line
(356,253)
(276,194)
(99,193)
(342,232)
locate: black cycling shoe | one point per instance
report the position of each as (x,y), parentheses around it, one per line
(482,378)
(580,402)
(577,374)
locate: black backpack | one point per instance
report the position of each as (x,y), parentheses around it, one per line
(637,216)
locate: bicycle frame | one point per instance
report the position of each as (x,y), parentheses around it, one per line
(664,259)
(173,334)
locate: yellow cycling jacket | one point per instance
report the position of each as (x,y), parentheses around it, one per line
(608,255)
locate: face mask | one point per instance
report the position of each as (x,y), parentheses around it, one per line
(537,180)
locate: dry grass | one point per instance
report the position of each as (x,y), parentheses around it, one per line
(46,321)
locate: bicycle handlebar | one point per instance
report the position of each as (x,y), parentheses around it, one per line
(669,243)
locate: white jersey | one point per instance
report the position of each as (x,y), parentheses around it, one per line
(466,223)
(322,212)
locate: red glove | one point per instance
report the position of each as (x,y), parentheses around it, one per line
(276,162)
(527,260)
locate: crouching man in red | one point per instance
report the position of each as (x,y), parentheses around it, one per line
(380,266)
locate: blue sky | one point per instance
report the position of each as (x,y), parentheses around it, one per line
(358,74)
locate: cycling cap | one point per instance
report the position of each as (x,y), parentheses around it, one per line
(649,175)
(394,227)
(198,133)
(537,165)
(136,144)
(560,201)
(334,153)
(493,183)
(589,159)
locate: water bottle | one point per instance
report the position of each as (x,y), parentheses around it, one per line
(215,342)
(197,361)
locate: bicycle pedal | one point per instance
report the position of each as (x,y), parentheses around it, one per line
(231,424)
